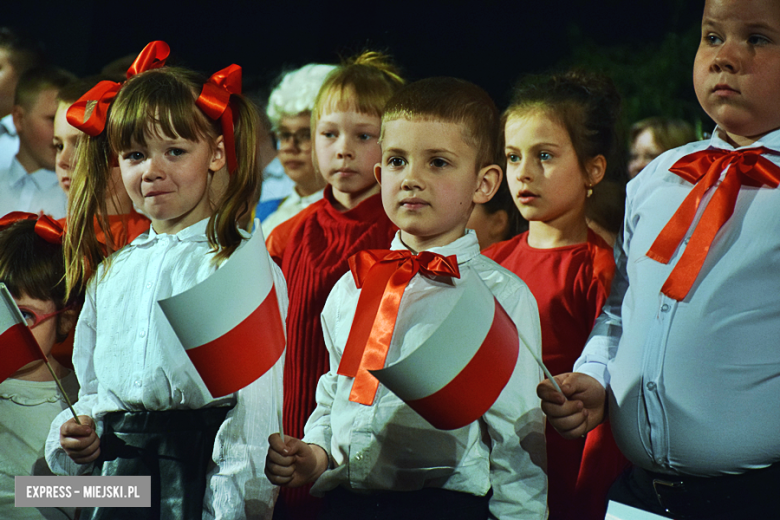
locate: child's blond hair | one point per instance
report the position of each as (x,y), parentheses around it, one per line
(363,83)
(162,101)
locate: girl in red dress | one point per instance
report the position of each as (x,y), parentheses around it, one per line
(559,135)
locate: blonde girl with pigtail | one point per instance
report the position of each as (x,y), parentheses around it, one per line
(185,147)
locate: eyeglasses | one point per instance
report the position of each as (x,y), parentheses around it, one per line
(34,319)
(301,138)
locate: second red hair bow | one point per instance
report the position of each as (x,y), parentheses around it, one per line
(214,100)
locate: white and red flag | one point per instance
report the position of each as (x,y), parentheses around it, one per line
(230,323)
(17,344)
(456,375)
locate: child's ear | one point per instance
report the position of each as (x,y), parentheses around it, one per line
(488,180)
(17,113)
(596,168)
(65,323)
(378,173)
(218,157)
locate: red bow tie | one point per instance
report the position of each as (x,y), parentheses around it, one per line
(383,276)
(46,228)
(704,168)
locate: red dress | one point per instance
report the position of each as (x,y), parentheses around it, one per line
(571,285)
(312,249)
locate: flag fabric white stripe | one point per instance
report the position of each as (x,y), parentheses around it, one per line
(9,312)
(446,352)
(231,303)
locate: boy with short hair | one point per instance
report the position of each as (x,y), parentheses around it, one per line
(18,54)
(686,350)
(440,156)
(29,183)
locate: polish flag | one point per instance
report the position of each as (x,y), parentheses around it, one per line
(17,344)
(230,324)
(456,375)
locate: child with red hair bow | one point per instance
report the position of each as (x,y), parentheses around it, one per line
(186,153)
(32,268)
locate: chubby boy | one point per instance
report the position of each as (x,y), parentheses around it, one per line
(685,356)
(440,156)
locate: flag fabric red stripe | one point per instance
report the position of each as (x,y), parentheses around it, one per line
(17,348)
(235,359)
(474,390)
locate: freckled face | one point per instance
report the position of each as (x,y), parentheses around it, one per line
(169,179)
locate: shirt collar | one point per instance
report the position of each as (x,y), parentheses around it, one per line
(770,141)
(465,248)
(194,233)
(308,199)
(42,178)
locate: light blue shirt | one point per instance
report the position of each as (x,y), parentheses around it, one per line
(693,385)
(276,183)
(9,141)
(34,192)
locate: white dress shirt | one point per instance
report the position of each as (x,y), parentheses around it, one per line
(9,141)
(289,207)
(127,357)
(34,192)
(388,446)
(693,384)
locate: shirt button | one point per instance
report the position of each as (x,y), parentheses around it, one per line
(664,307)
(148,285)
(137,383)
(651,386)
(358,457)
(143,333)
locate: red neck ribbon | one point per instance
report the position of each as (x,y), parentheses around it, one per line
(704,168)
(152,57)
(382,277)
(214,100)
(48,229)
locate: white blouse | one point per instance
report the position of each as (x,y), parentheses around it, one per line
(127,357)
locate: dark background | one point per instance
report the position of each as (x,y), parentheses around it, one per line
(647,46)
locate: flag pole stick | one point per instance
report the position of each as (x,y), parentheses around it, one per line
(62,390)
(279,404)
(544,369)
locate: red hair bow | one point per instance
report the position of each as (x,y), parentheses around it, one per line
(214,100)
(48,229)
(152,57)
